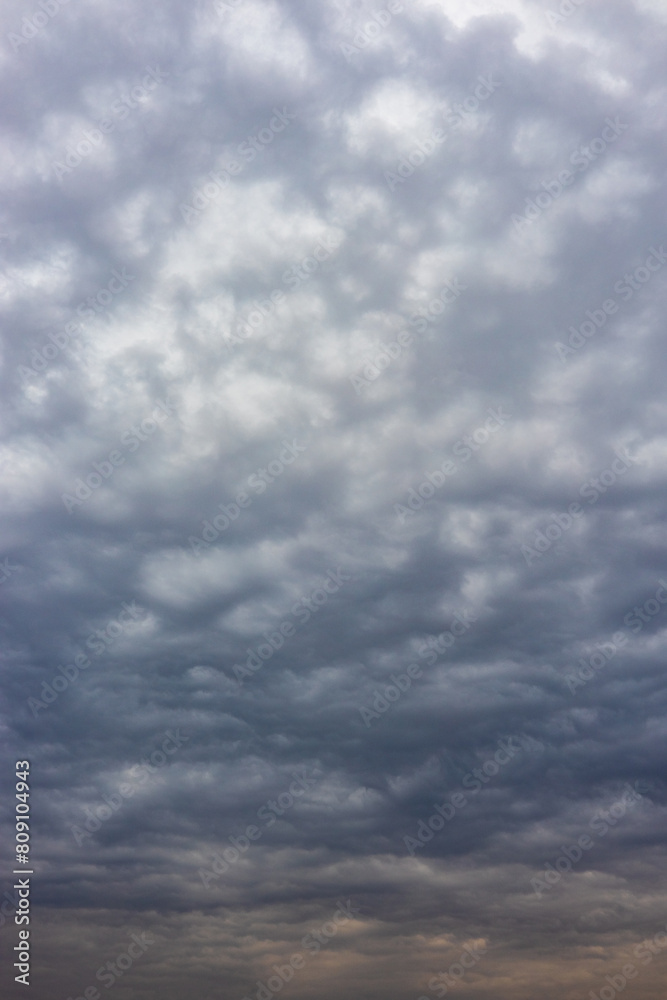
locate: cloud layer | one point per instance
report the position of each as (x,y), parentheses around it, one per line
(334,597)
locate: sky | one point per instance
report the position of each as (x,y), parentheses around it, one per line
(333,566)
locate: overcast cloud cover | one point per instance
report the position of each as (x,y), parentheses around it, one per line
(333,472)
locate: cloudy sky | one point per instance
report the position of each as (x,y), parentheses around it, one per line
(333,558)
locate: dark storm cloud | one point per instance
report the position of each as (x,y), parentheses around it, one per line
(332,483)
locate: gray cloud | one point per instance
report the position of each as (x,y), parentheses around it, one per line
(356,477)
